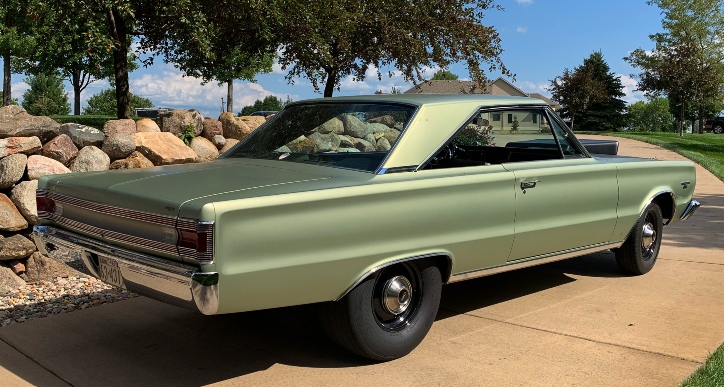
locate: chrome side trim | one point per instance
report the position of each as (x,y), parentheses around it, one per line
(167,281)
(386,264)
(690,209)
(673,209)
(534,261)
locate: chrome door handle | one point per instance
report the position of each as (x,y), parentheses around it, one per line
(525,184)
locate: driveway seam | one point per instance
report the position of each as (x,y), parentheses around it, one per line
(703,263)
(581,338)
(36,362)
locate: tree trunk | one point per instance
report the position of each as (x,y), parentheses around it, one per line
(120,63)
(7,92)
(329,84)
(75,82)
(572,118)
(701,120)
(681,122)
(230,95)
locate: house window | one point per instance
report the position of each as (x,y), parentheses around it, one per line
(535,118)
(497,116)
(510,118)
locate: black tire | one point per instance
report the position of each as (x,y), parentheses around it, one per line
(362,324)
(718,129)
(638,254)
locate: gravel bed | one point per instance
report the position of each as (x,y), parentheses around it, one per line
(38,299)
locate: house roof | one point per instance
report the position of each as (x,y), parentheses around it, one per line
(463,87)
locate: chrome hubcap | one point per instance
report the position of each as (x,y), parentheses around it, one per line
(648,238)
(397,295)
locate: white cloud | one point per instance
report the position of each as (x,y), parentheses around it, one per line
(629,88)
(524,2)
(521,30)
(18,88)
(171,89)
(533,87)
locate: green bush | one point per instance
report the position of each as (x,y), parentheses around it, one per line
(88,120)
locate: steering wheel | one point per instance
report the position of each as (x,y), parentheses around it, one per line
(449,152)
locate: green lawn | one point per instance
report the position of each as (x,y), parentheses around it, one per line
(706,149)
(710,374)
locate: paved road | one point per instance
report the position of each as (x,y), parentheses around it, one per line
(575,322)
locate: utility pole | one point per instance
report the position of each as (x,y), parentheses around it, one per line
(222,104)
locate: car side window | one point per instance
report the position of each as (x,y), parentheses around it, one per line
(521,135)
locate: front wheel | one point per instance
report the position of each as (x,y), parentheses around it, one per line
(638,254)
(718,129)
(387,315)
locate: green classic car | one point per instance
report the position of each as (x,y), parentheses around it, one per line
(366,205)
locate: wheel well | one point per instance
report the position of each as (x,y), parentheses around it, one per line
(665,201)
(444,263)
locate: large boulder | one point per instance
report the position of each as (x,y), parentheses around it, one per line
(23,196)
(164,148)
(334,125)
(212,128)
(8,280)
(233,126)
(123,126)
(177,122)
(10,218)
(147,125)
(219,141)
(90,159)
(82,135)
(40,166)
(387,120)
(12,169)
(16,122)
(354,127)
(60,149)
(24,145)
(16,247)
(303,144)
(119,146)
(253,122)
(325,142)
(206,150)
(42,268)
(230,142)
(135,160)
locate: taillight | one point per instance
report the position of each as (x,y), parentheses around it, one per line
(195,240)
(44,204)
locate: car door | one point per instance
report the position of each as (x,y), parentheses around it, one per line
(562,203)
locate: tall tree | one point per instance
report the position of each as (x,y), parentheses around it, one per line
(269,103)
(576,90)
(687,63)
(15,39)
(46,95)
(607,114)
(444,75)
(327,41)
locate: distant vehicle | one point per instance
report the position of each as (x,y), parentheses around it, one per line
(716,125)
(264,113)
(150,112)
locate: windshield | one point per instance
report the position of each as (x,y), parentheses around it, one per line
(346,135)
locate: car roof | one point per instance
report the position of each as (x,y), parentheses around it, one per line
(426,99)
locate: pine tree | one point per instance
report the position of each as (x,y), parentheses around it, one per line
(608,114)
(46,95)
(104,103)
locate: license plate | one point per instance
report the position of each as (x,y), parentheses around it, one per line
(109,271)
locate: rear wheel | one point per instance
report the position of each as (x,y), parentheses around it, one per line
(638,254)
(718,129)
(387,315)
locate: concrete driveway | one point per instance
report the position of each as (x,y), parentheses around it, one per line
(574,322)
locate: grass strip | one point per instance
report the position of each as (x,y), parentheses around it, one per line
(710,374)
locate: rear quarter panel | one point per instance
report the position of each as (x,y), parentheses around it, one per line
(311,246)
(640,180)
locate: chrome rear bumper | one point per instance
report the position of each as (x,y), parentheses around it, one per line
(690,209)
(157,278)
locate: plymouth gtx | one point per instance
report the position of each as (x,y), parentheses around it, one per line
(366,206)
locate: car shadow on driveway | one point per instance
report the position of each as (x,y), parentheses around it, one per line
(141,341)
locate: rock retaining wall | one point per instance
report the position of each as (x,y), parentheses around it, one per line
(31,147)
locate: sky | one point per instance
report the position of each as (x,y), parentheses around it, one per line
(539,38)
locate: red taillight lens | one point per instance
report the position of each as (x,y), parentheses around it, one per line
(192,240)
(45,205)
